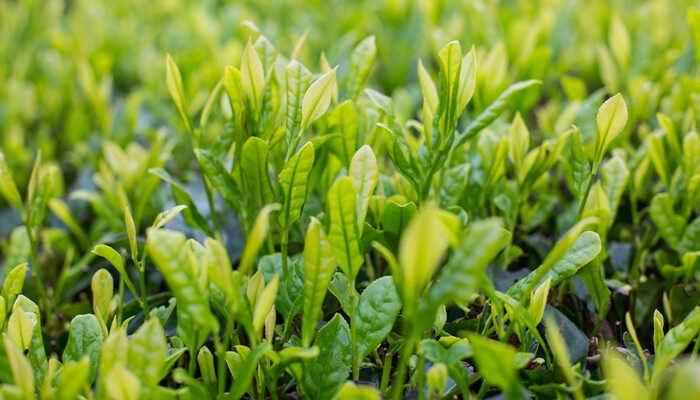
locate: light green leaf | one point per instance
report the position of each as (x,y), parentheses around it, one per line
(317,98)
(20,327)
(318,270)
(13,283)
(324,374)
(568,255)
(294,180)
(364,174)
(168,251)
(102,286)
(252,76)
(8,188)
(84,339)
(165,216)
(149,339)
(21,370)
(173,80)
(610,121)
(257,176)
(418,257)
(123,384)
(559,266)
(519,143)
(343,235)
(298,79)
(377,310)
(361,60)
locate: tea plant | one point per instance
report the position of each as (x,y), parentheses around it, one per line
(301,234)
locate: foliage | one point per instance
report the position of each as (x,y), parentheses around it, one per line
(363,209)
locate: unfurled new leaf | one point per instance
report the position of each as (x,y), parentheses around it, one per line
(364,174)
(319,263)
(343,235)
(317,98)
(294,181)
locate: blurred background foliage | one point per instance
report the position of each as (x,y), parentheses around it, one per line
(76,73)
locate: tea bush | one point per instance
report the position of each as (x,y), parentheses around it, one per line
(342,201)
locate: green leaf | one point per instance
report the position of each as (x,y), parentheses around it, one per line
(395,219)
(340,287)
(290,295)
(344,122)
(8,188)
(669,224)
(294,180)
(21,370)
(298,80)
(123,384)
(220,179)
(117,262)
(164,217)
(675,341)
(263,303)
(496,363)
(459,278)
(252,76)
(318,270)
(610,121)
(148,339)
(350,391)
(566,256)
(586,247)
(168,251)
(73,379)
(173,80)
(580,168)
(36,352)
(20,327)
(450,60)
(593,277)
(317,98)
(361,60)
(84,339)
(377,310)
(615,175)
(257,176)
(419,258)
(364,174)
(519,143)
(13,283)
(343,235)
(102,286)
(492,111)
(62,212)
(467,80)
(191,214)
(324,374)
(245,370)
(256,237)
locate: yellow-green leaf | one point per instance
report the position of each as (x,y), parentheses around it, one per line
(364,173)
(317,98)
(343,235)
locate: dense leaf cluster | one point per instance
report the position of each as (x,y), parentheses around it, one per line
(492,227)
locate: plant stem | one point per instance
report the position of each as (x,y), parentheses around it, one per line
(406,353)
(283,249)
(144,296)
(584,195)
(386,373)
(353,331)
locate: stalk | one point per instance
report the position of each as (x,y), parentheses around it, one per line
(353,331)
(584,195)
(283,250)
